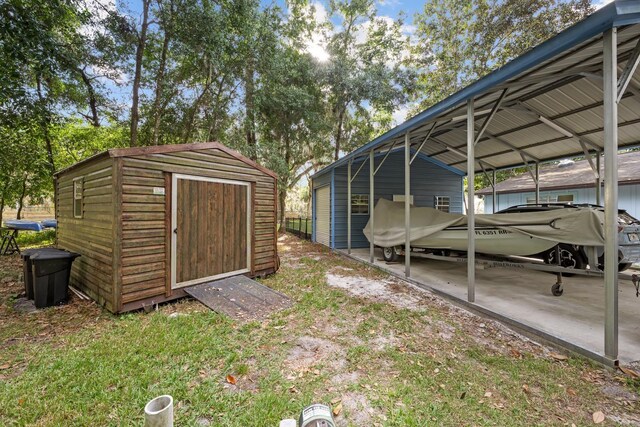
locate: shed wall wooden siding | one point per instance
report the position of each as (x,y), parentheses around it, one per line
(144,239)
(91,235)
(428,179)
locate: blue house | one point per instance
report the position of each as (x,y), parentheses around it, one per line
(433,184)
(569,182)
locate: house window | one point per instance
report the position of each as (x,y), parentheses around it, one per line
(360,204)
(442,203)
(400,198)
(77,198)
(565,198)
(561,198)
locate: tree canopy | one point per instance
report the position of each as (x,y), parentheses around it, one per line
(293,87)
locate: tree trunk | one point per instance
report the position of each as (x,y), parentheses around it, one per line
(46,123)
(1,207)
(157,115)
(93,101)
(22,196)
(250,121)
(142,40)
(339,133)
(192,115)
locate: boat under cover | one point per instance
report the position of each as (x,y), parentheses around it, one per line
(506,234)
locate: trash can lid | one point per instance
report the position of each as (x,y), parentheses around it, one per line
(53,254)
(30,252)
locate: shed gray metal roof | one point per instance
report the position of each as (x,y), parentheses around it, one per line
(572,175)
(551,105)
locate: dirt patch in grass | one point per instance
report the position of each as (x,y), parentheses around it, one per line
(380,290)
(310,351)
(358,411)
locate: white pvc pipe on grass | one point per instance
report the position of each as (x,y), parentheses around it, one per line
(159,412)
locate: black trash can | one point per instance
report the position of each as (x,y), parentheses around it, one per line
(51,270)
(26,268)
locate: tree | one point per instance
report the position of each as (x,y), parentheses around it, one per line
(294,133)
(48,64)
(459,41)
(365,74)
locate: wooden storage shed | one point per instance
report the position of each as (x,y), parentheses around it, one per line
(151,221)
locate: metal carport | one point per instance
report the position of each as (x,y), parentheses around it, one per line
(575,94)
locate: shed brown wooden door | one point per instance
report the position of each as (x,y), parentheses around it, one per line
(211,230)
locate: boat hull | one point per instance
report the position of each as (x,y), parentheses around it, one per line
(494,241)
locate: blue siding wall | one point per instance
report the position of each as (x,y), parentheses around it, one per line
(628,198)
(428,180)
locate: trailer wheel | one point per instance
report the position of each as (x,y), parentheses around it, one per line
(557,290)
(389,254)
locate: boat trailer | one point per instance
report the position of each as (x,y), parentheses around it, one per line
(524,263)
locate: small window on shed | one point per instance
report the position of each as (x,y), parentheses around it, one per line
(360,204)
(77,198)
(442,203)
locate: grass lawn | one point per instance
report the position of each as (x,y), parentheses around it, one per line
(28,239)
(381,352)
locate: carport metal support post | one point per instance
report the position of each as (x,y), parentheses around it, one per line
(407,205)
(349,207)
(598,182)
(610,82)
(537,182)
(371,204)
(495,193)
(471,216)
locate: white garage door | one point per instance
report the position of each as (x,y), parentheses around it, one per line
(323,215)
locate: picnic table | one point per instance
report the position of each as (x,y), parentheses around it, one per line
(8,243)
(8,233)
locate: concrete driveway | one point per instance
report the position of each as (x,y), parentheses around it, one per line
(525,296)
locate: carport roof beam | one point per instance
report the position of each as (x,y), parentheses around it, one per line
(587,155)
(553,125)
(512,147)
(359,169)
(627,73)
(423,142)
(385,158)
(490,117)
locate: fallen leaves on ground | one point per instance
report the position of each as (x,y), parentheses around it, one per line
(231,379)
(337,409)
(559,357)
(598,417)
(630,372)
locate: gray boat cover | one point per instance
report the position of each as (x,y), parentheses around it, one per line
(578,226)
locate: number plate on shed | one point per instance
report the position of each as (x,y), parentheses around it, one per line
(633,237)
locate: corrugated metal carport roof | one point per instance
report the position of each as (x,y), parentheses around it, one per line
(551,102)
